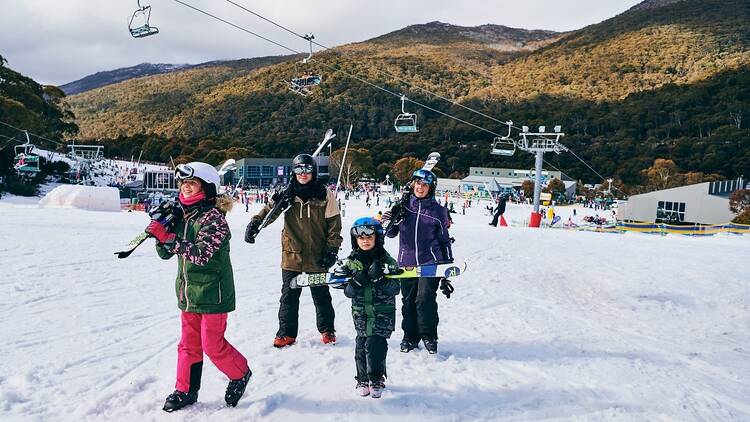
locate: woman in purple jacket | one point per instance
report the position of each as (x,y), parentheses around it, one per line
(424,239)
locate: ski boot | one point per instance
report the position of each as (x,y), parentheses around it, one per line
(283,341)
(328,337)
(376,388)
(178,400)
(408,345)
(430,345)
(236,388)
(363,388)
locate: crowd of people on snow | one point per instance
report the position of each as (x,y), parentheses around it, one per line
(310,243)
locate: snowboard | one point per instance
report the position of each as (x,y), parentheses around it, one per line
(430,270)
(555,220)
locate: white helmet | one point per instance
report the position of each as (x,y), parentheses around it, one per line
(203,171)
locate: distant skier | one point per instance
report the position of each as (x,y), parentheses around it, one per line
(310,242)
(499,210)
(204,285)
(373,302)
(424,239)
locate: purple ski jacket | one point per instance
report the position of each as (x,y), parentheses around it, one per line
(423,234)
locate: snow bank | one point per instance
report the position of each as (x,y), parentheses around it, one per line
(93,198)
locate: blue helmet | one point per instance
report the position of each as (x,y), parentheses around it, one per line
(427,177)
(367,226)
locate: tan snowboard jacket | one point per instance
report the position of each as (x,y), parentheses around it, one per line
(311,229)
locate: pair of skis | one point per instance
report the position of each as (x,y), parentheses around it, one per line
(334,279)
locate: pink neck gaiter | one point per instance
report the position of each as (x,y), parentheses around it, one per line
(192,200)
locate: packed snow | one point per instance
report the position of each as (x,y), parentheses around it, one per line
(545,325)
(92,198)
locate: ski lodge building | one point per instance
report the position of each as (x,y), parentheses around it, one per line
(502,180)
(269,172)
(701,203)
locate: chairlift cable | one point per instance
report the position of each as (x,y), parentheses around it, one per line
(33,134)
(365,81)
(404,81)
(236,26)
(378,70)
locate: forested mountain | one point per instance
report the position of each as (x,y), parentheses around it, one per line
(665,80)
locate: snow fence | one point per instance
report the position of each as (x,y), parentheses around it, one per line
(93,198)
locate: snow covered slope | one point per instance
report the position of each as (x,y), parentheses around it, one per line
(546,325)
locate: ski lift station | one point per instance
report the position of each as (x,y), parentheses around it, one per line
(701,203)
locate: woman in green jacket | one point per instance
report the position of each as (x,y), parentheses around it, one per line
(204,284)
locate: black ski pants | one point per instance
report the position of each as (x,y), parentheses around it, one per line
(495,217)
(369,355)
(289,307)
(419,308)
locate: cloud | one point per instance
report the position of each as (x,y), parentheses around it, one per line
(58,42)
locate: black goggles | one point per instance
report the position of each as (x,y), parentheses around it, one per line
(184,171)
(303,168)
(363,231)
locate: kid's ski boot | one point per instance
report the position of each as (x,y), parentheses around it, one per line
(363,388)
(236,388)
(178,400)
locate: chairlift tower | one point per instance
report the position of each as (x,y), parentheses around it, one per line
(538,143)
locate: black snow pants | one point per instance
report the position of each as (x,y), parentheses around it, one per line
(289,307)
(369,355)
(419,308)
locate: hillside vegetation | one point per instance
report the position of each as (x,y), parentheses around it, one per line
(665,82)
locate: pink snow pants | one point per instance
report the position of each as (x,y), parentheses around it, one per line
(205,333)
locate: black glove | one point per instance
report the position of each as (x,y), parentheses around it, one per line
(359,278)
(283,195)
(329,258)
(446,287)
(252,230)
(376,271)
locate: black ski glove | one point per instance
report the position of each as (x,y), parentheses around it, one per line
(252,230)
(446,287)
(376,271)
(330,257)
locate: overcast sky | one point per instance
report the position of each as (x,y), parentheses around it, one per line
(59,41)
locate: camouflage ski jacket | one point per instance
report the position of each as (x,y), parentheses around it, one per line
(374,303)
(205,282)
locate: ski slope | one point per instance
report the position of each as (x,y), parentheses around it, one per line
(547,324)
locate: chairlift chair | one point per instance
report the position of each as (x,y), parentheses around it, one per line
(302,84)
(504,145)
(26,162)
(405,122)
(142,14)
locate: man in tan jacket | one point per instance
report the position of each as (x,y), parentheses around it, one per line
(310,242)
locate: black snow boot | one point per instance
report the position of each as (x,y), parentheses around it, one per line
(430,345)
(236,389)
(408,345)
(178,400)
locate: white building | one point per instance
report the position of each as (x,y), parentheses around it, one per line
(501,180)
(702,203)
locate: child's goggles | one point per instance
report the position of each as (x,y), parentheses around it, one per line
(360,231)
